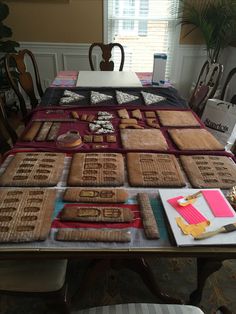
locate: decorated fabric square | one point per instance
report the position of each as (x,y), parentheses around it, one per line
(150,98)
(69,97)
(123,98)
(97,97)
(26,214)
(209,171)
(145,139)
(194,139)
(177,118)
(33,169)
(159,170)
(96,169)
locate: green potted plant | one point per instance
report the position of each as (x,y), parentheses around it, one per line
(215,19)
(6,45)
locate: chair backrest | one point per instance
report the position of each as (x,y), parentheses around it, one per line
(5,123)
(226,86)
(18,76)
(206,86)
(106,64)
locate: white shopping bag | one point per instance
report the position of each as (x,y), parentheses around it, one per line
(220,119)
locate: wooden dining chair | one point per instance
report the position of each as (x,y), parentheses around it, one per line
(45,279)
(227,83)
(206,86)
(22,80)
(6,124)
(106,64)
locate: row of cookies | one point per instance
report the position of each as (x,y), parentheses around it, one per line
(108,169)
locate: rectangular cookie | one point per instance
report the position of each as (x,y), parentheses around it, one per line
(143,139)
(33,169)
(94,195)
(148,218)
(205,171)
(136,114)
(88,138)
(43,132)
(32,132)
(96,169)
(84,117)
(93,235)
(159,170)
(52,135)
(128,121)
(194,139)
(177,118)
(96,214)
(123,114)
(26,214)
(150,114)
(90,118)
(98,138)
(111,138)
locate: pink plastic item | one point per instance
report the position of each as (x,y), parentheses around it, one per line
(217,203)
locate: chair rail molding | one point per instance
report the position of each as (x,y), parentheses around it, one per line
(54,57)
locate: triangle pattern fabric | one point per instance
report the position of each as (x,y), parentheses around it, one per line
(97,97)
(123,98)
(69,97)
(151,98)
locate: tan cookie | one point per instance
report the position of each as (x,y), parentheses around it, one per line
(84,117)
(74,115)
(88,138)
(123,114)
(150,114)
(136,114)
(130,126)
(90,118)
(128,121)
(152,123)
(98,138)
(111,138)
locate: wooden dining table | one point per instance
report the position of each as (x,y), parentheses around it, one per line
(209,258)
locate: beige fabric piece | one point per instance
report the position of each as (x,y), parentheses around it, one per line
(33,169)
(96,169)
(177,118)
(194,139)
(95,195)
(32,275)
(93,235)
(146,139)
(25,214)
(209,171)
(158,170)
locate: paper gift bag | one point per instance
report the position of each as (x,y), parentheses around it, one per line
(220,119)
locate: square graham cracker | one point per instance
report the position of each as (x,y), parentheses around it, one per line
(205,171)
(145,139)
(26,214)
(195,139)
(160,170)
(96,169)
(33,169)
(177,118)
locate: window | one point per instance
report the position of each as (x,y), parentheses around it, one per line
(143,27)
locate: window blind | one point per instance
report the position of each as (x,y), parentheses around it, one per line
(143,27)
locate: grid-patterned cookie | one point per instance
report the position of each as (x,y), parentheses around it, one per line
(96,169)
(195,139)
(177,118)
(25,214)
(145,139)
(210,171)
(33,169)
(158,170)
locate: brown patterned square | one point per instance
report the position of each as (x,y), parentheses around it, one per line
(194,139)
(160,170)
(33,169)
(96,169)
(25,214)
(146,139)
(177,118)
(209,171)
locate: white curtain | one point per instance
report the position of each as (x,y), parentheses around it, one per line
(143,27)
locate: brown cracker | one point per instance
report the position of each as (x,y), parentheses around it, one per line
(177,118)
(123,114)
(136,114)
(160,170)
(88,138)
(44,131)
(93,235)
(25,214)
(146,139)
(33,169)
(52,134)
(98,138)
(96,214)
(111,138)
(209,171)
(32,132)
(194,139)
(96,169)
(150,114)
(95,195)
